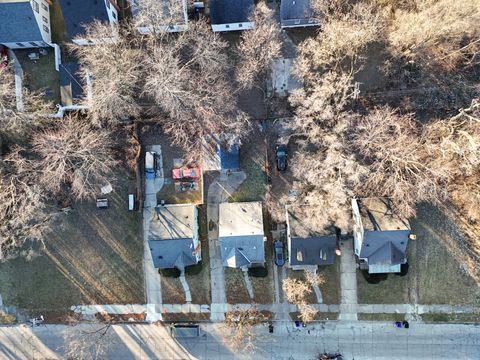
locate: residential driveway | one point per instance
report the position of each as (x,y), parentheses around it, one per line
(348,282)
(152,277)
(152,186)
(218,192)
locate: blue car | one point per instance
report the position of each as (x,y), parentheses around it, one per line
(278,248)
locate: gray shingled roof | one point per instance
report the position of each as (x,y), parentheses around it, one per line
(77,13)
(296,12)
(168,254)
(18,23)
(314,250)
(230,11)
(386,247)
(239,251)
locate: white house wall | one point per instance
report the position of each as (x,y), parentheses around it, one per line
(233,26)
(43,14)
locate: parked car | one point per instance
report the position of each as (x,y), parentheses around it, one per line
(281,156)
(150,165)
(3,57)
(278,248)
(186,173)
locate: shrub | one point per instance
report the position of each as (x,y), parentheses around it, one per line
(194,269)
(258,272)
(173,273)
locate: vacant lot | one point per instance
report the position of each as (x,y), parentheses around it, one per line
(440,278)
(92,256)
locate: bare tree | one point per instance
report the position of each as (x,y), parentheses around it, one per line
(15,122)
(399,166)
(242,325)
(92,342)
(258,47)
(296,291)
(23,209)
(75,154)
(445,32)
(159,17)
(186,77)
(111,70)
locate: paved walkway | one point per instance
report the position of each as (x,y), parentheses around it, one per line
(218,192)
(348,282)
(186,288)
(17,68)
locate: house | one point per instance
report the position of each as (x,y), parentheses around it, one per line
(231,15)
(171,13)
(380,236)
(173,237)
(77,14)
(297,13)
(25,24)
(241,235)
(307,248)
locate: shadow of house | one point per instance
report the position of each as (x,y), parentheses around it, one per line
(77,14)
(380,236)
(173,237)
(241,234)
(231,15)
(307,247)
(297,13)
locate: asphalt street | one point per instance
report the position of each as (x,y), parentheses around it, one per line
(355,340)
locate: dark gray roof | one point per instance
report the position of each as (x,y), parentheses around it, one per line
(230,11)
(177,253)
(71,86)
(387,247)
(18,23)
(314,250)
(296,13)
(77,13)
(239,251)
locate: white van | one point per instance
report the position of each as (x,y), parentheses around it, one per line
(150,164)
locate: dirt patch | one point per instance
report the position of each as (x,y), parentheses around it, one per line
(310,298)
(200,281)
(451,318)
(381,317)
(263,286)
(319,316)
(252,162)
(119,318)
(172,290)
(235,287)
(330,289)
(185,317)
